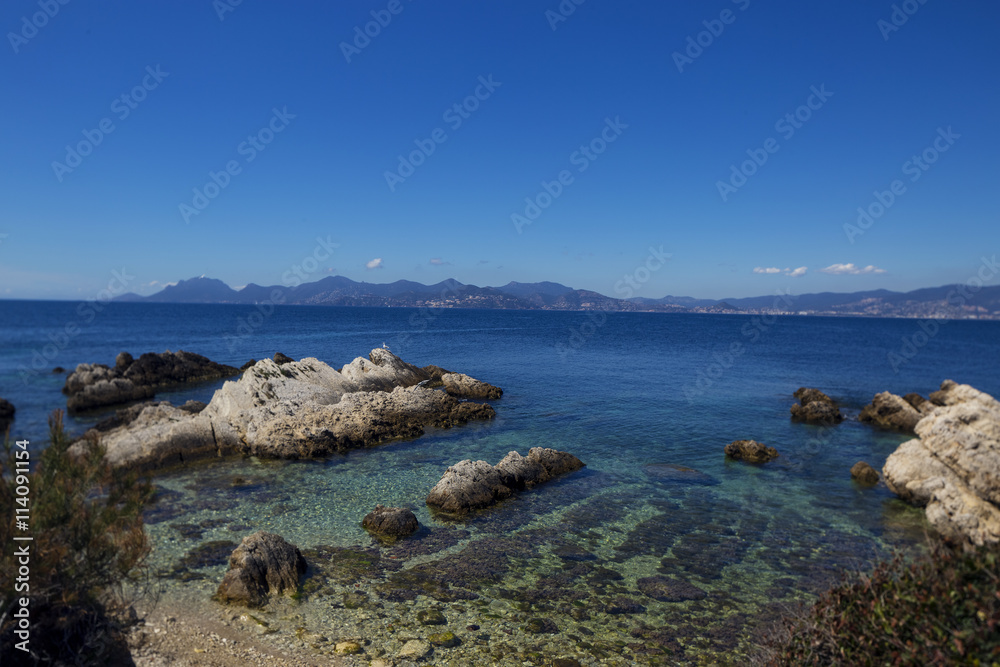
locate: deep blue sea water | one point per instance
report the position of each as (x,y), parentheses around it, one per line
(622,391)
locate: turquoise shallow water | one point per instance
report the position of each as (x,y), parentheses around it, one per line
(569,558)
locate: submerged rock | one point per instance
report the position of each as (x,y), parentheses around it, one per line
(815,407)
(390,522)
(750,451)
(263,564)
(864,474)
(469,485)
(93,386)
(891,412)
(667,589)
(299,409)
(953,467)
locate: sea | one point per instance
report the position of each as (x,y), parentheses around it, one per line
(659,551)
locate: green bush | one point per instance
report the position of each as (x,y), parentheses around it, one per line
(88,553)
(941,609)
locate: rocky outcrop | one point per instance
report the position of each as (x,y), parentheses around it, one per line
(953,467)
(390,522)
(7,411)
(469,485)
(263,564)
(93,386)
(280,358)
(297,409)
(890,411)
(864,474)
(750,451)
(815,407)
(459,384)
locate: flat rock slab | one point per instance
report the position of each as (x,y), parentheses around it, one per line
(667,589)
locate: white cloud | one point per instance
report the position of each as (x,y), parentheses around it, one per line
(791,273)
(850,270)
(374,264)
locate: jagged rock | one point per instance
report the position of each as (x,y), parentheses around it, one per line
(298,409)
(750,451)
(666,589)
(890,411)
(953,467)
(280,358)
(459,384)
(469,485)
(864,474)
(247,365)
(815,407)
(391,522)
(7,411)
(919,403)
(95,385)
(263,564)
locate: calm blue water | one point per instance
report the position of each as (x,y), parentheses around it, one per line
(621,392)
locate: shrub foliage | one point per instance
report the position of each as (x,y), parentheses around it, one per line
(941,609)
(87,555)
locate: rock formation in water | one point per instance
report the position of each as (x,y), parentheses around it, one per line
(750,451)
(299,409)
(815,407)
(863,473)
(93,386)
(893,412)
(469,485)
(390,522)
(953,467)
(263,564)
(459,384)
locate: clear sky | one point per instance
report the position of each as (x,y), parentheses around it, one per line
(643,124)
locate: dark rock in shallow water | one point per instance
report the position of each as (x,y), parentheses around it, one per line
(675,474)
(864,474)
(890,412)
(667,589)
(431,617)
(815,407)
(264,563)
(573,552)
(390,522)
(469,485)
(623,605)
(93,386)
(537,626)
(280,358)
(751,451)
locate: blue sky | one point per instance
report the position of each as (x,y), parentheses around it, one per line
(200,90)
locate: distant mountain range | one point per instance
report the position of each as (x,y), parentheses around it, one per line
(953,301)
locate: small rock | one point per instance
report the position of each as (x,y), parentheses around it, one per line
(247,365)
(280,358)
(891,412)
(750,451)
(864,474)
(263,563)
(565,662)
(391,522)
(537,626)
(815,407)
(463,386)
(666,589)
(415,649)
(123,361)
(192,406)
(58,369)
(444,639)
(472,628)
(348,648)
(430,617)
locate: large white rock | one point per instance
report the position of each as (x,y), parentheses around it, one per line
(954,466)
